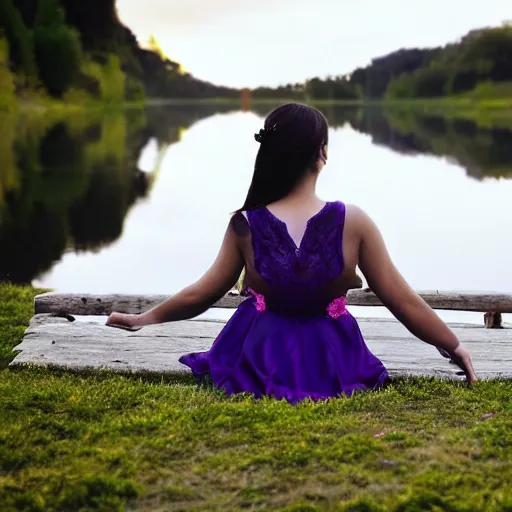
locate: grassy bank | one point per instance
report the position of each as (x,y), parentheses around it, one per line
(462,102)
(486,113)
(110,442)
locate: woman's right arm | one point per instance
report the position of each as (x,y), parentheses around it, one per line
(407,306)
(196,298)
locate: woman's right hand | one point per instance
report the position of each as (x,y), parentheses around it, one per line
(124,321)
(460,356)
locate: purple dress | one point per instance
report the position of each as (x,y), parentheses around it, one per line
(293,338)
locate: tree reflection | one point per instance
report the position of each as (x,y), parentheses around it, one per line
(483,150)
(70,184)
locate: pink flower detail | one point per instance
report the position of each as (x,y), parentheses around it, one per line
(337,307)
(260,300)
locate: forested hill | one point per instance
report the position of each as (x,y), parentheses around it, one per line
(75,46)
(76,50)
(479,65)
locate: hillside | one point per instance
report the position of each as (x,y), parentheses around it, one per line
(73,50)
(479,66)
(81,50)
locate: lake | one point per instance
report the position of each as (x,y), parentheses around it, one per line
(138,202)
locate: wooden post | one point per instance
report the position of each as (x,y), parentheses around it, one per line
(246,99)
(492,320)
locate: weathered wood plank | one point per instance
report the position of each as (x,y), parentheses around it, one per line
(84,304)
(87,343)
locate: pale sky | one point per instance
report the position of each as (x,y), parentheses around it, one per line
(270,42)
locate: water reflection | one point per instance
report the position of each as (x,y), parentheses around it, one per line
(67,186)
(483,150)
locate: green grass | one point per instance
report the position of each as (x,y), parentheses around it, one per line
(16,309)
(99,441)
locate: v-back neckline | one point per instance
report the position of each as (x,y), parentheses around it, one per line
(306,229)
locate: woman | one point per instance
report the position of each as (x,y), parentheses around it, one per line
(293,337)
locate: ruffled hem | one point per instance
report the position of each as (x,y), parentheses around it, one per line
(292,396)
(295,359)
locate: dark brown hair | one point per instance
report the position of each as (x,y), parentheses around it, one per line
(291,141)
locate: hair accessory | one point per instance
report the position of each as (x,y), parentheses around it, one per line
(263,134)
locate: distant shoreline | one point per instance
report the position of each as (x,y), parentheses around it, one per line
(485,112)
(448,102)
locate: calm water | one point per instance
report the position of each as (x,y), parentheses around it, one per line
(139,204)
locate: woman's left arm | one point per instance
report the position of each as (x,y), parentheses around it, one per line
(196,298)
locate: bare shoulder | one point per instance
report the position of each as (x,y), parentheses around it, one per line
(356,217)
(354,211)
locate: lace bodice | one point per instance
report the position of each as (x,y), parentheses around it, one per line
(315,261)
(296,280)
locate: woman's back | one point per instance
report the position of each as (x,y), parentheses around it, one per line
(297,275)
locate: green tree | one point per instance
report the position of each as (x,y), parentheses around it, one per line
(6,78)
(20,40)
(57,48)
(342,89)
(401,87)
(317,88)
(429,82)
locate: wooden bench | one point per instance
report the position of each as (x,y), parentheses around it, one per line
(69,331)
